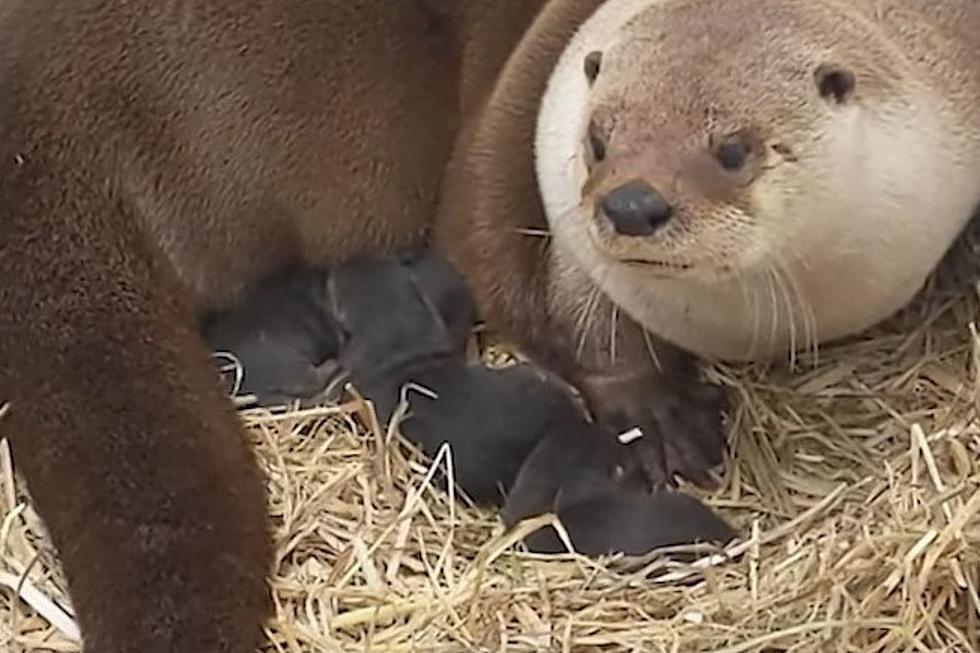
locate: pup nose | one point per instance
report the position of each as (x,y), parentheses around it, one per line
(636,209)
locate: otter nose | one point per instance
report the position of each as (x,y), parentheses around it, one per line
(636,209)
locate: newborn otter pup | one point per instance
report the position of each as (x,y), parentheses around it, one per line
(393,334)
(601,499)
(282,336)
(443,288)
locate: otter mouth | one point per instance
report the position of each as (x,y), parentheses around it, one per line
(660,265)
(602,243)
(658,269)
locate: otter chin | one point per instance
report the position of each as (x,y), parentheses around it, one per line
(750,179)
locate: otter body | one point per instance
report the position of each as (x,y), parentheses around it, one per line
(592,485)
(156,161)
(280,344)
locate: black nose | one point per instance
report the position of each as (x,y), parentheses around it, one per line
(636,209)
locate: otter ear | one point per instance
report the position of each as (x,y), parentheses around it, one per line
(835,83)
(592,64)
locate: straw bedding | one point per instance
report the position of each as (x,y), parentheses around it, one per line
(855,484)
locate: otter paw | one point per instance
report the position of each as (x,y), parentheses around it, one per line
(680,418)
(683,433)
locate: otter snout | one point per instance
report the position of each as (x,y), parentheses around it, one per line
(635,209)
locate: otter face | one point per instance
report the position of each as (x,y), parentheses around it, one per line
(705,159)
(699,120)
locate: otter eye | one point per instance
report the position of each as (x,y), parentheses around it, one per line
(732,156)
(733,151)
(834,83)
(592,64)
(596,145)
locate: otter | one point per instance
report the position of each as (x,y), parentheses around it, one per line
(396,345)
(281,340)
(718,178)
(594,486)
(752,179)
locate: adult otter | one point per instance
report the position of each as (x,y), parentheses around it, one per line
(789,176)
(730,173)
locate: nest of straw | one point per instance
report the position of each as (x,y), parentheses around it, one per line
(854,481)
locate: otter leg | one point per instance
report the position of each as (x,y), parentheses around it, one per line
(631,379)
(135,459)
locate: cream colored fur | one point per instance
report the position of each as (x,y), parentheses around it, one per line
(825,250)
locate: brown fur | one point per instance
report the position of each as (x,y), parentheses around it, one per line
(490,207)
(156,160)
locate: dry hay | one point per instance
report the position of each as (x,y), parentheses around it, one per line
(855,484)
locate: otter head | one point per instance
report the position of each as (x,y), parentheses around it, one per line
(715,164)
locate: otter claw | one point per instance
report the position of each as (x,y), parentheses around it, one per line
(688,415)
(680,419)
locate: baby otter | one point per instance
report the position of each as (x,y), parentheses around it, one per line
(590,482)
(281,338)
(393,335)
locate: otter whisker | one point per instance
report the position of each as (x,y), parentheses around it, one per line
(809,316)
(800,304)
(586,321)
(545,232)
(537,233)
(751,305)
(651,349)
(595,298)
(613,332)
(773,308)
(787,299)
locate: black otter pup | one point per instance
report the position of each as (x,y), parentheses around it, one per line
(602,500)
(282,336)
(403,321)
